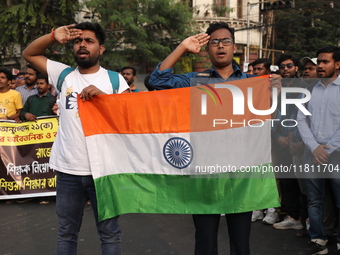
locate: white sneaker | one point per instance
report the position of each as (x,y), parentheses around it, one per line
(272,217)
(257,215)
(288,223)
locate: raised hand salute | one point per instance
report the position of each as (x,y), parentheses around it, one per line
(65,34)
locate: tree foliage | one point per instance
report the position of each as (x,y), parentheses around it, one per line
(142,32)
(22,21)
(309,26)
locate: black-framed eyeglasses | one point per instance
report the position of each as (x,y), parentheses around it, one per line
(289,66)
(21,78)
(224,41)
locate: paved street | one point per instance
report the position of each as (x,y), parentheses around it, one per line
(30,229)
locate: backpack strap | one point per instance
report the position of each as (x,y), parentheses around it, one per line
(113,78)
(62,77)
(114,81)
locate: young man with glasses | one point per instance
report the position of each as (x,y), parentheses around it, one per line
(20,79)
(220,46)
(290,190)
(219,39)
(288,66)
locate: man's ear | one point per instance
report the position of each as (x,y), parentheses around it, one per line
(235,48)
(102,49)
(337,65)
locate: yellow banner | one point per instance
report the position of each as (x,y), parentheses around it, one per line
(41,131)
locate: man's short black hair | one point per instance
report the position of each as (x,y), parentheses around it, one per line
(94,27)
(147,84)
(21,73)
(266,62)
(134,71)
(331,49)
(31,67)
(285,56)
(42,77)
(219,25)
(7,72)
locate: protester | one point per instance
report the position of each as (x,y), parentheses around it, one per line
(261,66)
(250,69)
(320,132)
(20,79)
(10,100)
(40,104)
(129,74)
(311,78)
(69,153)
(221,47)
(290,190)
(29,89)
(13,84)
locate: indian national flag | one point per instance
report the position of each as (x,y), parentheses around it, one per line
(187,151)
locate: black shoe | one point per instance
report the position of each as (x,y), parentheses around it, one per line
(24,200)
(304,234)
(331,238)
(314,249)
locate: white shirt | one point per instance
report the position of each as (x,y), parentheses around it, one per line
(69,152)
(323,126)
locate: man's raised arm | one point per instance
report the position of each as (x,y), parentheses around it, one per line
(34,51)
(191,44)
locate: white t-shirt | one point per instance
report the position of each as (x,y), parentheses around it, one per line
(69,152)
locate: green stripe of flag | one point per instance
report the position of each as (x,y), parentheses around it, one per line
(157,193)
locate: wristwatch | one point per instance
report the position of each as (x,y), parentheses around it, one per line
(8,117)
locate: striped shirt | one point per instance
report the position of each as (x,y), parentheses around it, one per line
(25,92)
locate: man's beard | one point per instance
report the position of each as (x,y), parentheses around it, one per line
(85,63)
(28,83)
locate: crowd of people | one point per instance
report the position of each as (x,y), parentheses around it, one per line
(307,206)
(36,94)
(307,202)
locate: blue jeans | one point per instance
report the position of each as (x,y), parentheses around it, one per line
(72,194)
(315,188)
